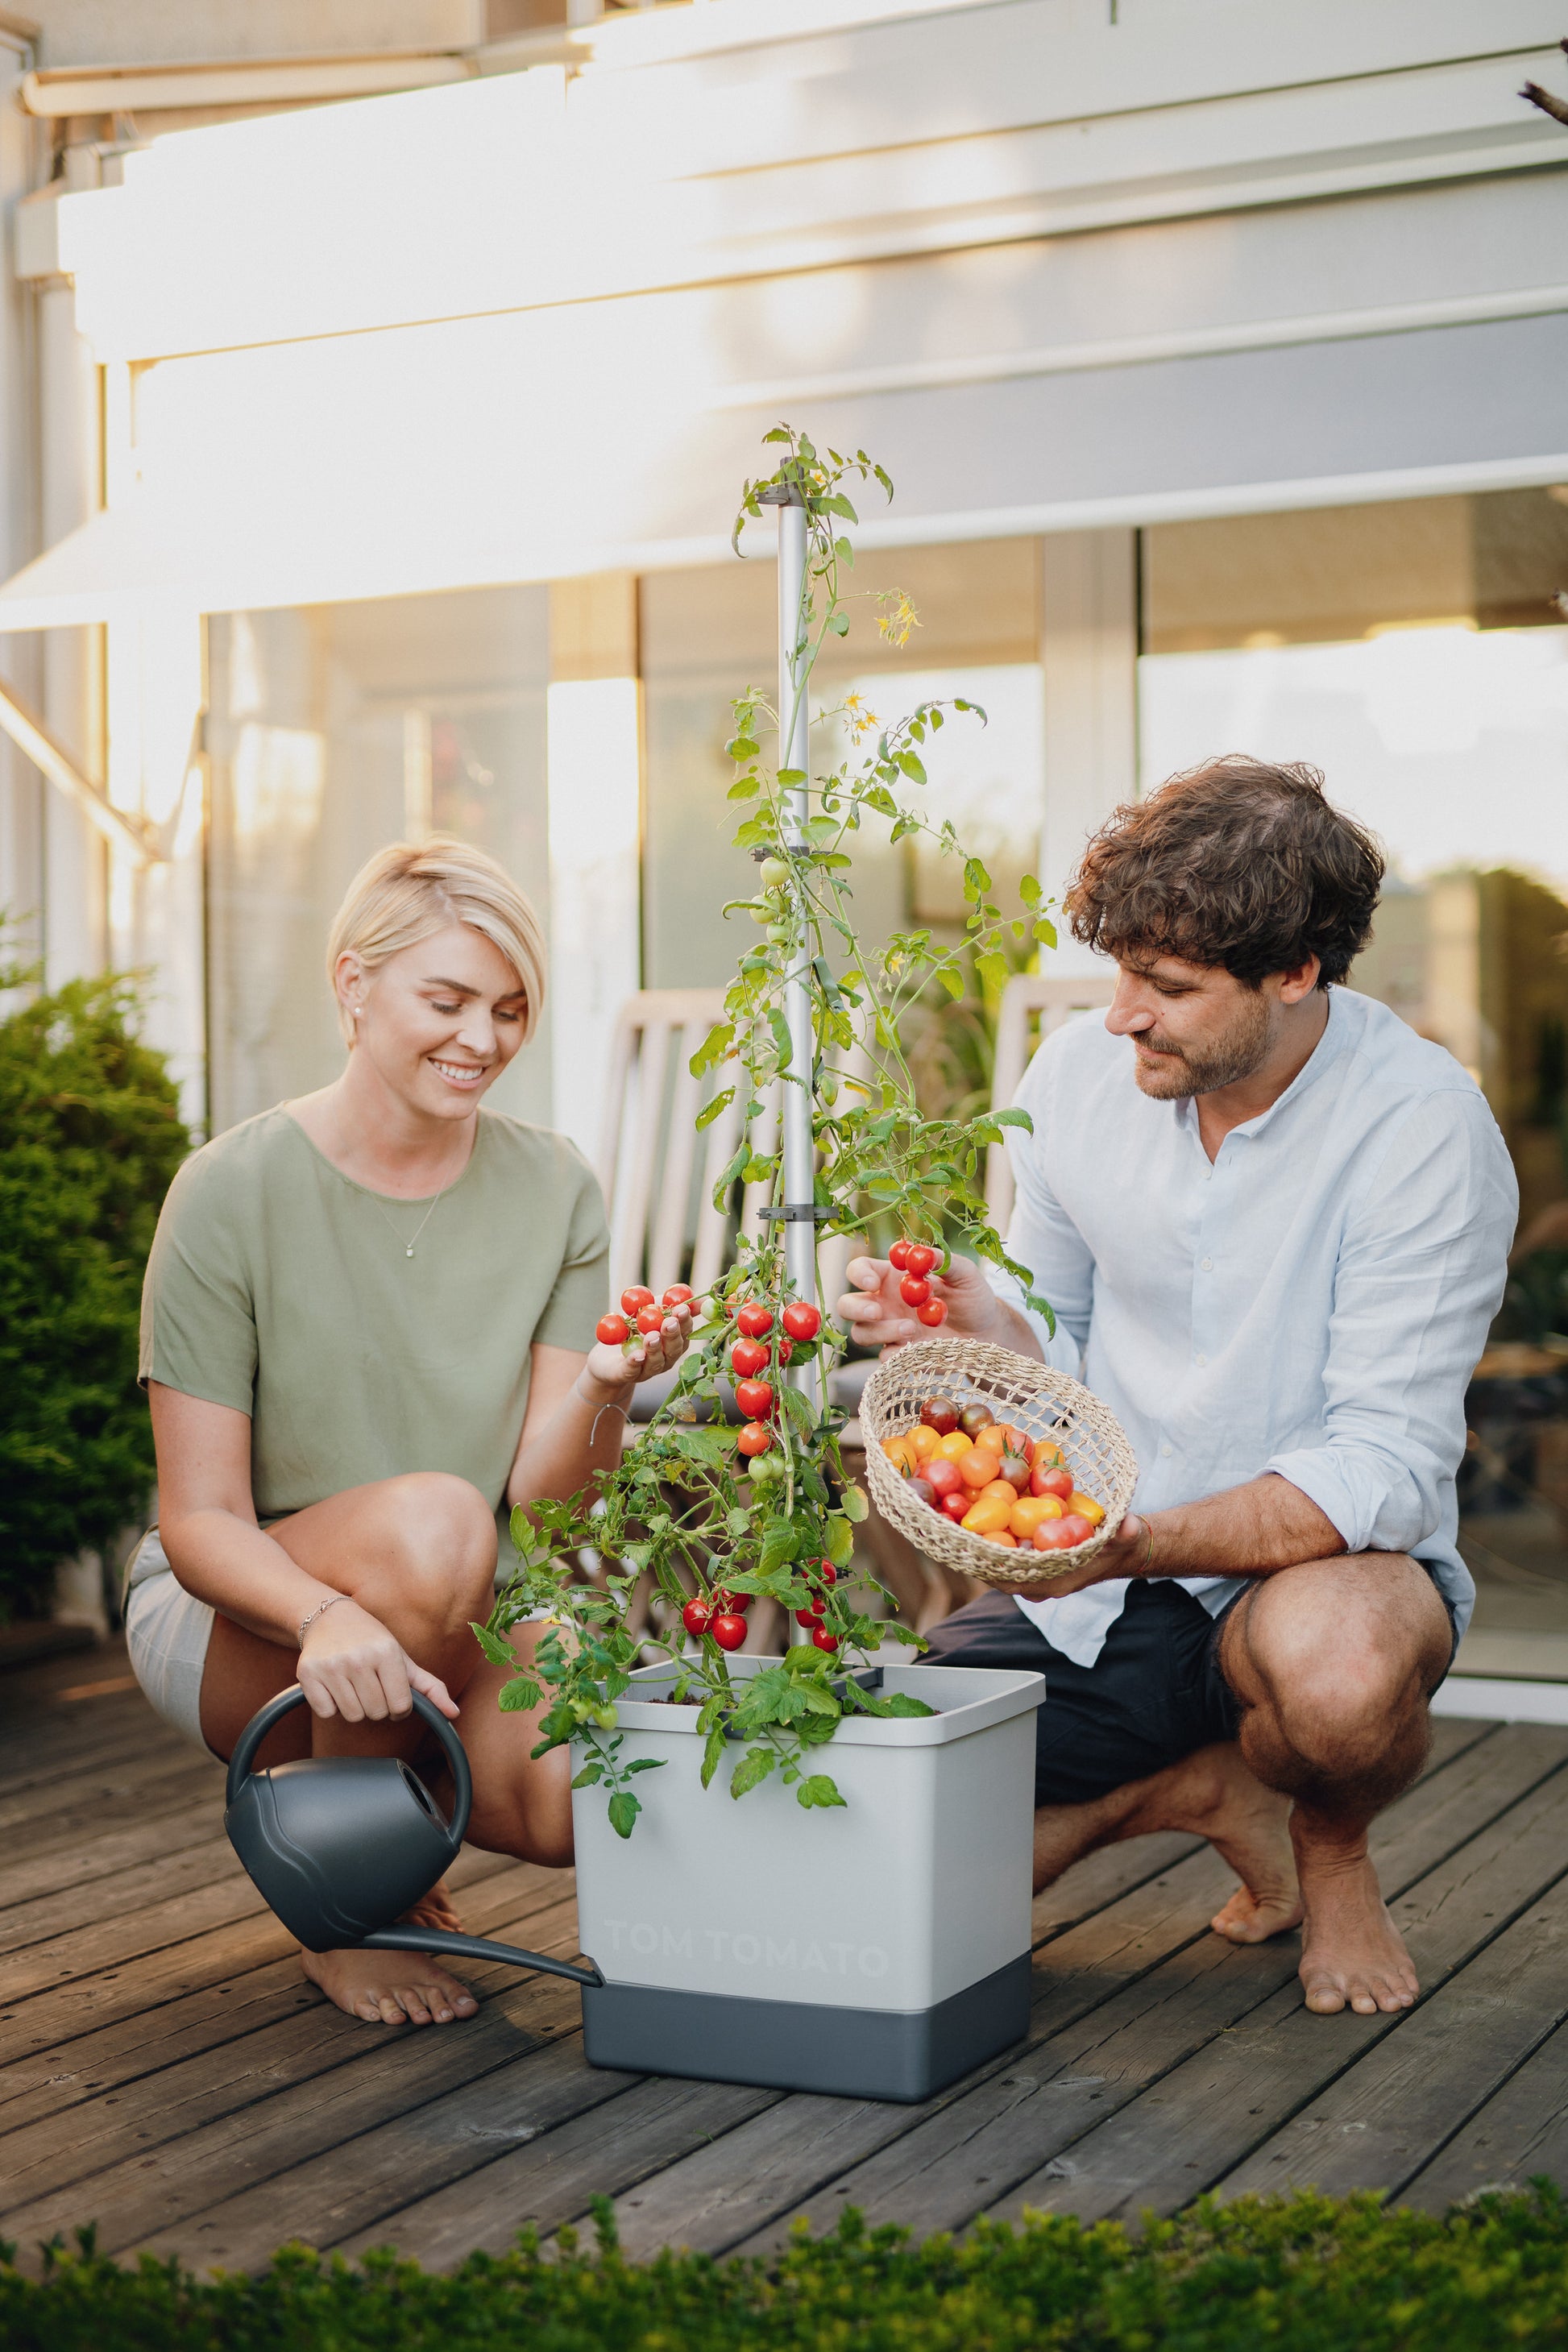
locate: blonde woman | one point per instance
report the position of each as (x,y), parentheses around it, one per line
(367,1332)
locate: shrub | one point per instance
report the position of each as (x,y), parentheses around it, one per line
(90,1135)
(1305,2273)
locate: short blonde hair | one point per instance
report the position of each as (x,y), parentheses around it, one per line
(412,888)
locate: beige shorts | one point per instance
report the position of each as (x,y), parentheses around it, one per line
(166,1634)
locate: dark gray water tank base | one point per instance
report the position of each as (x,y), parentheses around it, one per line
(798,2045)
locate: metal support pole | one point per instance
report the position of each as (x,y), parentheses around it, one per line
(794,753)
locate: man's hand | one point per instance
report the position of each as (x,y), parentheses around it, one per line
(877,1316)
(1124,1555)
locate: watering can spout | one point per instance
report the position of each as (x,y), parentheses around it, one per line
(342,1846)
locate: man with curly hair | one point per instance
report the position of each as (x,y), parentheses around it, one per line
(1273,1223)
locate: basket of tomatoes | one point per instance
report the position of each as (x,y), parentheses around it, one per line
(992,1463)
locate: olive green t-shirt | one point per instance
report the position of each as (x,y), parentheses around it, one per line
(280,1287)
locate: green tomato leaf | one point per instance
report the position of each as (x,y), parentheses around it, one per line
(590,1773)
(517,1695)
(497,1652)
(854,1506)
(752,1769)
(624,1811)
(779,1543)
(710,1110)
(713,1753)
(818,1790)
(838,1541)
(657,1763)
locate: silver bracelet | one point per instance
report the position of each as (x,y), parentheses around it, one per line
(319,1610)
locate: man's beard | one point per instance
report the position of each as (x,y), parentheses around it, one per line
(1199,1070)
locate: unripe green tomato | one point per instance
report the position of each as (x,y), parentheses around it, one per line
(605,1716)
(780,934)
(760,911)
(763,1468)
(775,873)
(828,1088)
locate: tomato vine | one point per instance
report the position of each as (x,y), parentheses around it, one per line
(692,1511)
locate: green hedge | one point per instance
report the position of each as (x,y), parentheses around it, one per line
(1305,2273)
(90,1135)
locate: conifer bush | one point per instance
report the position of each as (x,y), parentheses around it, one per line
(90,1135)
(1304,2273)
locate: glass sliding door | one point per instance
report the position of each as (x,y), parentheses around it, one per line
(331,730)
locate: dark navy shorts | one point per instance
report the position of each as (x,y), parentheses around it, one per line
(1155,1693)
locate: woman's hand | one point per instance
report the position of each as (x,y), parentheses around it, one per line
(351,1667)
(878,1319)
(613,1369)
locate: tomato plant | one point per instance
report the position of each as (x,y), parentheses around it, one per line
(707,1515)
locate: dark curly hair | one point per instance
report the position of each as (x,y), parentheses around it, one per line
(1236,863)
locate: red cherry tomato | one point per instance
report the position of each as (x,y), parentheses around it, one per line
(756,1438)
(924,1492)
(801,1321)
(785,1351)
(634,1298)
(731,1604)
(944,1475)
(1081,1529)
(728,1632)
(808,1616)
(1045,1480)
(679,1294)
(933,1312)
(650,1319)
(611,1331)
(695,1616)
(1054,1535)
(914,1290)
(826,1573)
(754,1398)
(821,1639)
(898,1258)
(955,1504)
(755,1321)
(747,1359)
(920,1258)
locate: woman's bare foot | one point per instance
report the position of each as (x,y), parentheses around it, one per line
(396,1987)
(1352,1955)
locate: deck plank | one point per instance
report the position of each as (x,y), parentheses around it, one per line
(67,2137)
(1058,2085)
(1391,2111)
(1194,2098)
(1521,2133)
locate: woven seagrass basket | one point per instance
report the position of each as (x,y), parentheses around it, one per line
(1017,1389)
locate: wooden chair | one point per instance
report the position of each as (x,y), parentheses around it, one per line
(1055,1002)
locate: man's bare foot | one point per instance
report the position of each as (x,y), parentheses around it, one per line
(396,1987)
(1352,1953)
(1248,1827)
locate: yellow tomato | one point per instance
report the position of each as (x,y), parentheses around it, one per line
(953,1448)
(1002,1488)
(977,1468)
(923,1440)
(988,1516)
(1029,1512)
(1001,1536)
(1085,1505)
(901,1455)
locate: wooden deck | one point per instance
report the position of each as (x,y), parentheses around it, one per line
(164,2073)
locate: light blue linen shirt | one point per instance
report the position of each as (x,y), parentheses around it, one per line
(1313,1303)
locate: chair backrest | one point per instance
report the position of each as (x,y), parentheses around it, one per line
(1056,1002)
(648,1147)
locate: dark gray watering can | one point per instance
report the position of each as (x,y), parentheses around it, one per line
(341,1846)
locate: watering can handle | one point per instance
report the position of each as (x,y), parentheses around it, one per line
(262,1722)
